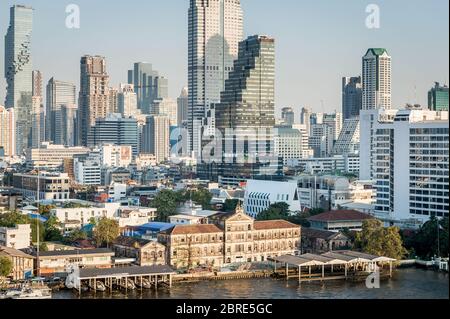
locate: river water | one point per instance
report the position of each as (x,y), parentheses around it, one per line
(408,283)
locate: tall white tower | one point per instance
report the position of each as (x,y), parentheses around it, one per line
(377,79)
(215,30)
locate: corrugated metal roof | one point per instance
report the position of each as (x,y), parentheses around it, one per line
(125,271)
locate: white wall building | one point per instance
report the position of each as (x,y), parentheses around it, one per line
(88,171)
(52,156)
(115,155)
(7,131)
(127,101)
(167,107)
(259,195)
(410,163)
(18,237)
(348,141)
(288,143)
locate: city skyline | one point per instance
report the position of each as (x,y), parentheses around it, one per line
(304,89)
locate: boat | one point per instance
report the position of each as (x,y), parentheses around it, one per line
(144,283)
(28,293)
(127,284)
(98,286)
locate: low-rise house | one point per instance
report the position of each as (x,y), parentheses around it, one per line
(55,263)
(339,220)
(316,241)
(138,217)
(18,237)
(145,252)
(187,220)
(22,263)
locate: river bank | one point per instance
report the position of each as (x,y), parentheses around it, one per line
(407,283)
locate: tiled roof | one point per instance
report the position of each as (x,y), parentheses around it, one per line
(13,252)
(274,224)
(193,229)
(318,233)
(341,215)
(131,242)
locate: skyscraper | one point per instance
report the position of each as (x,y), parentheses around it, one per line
(18,72)
(438,98)
(127,101)
(156,137)
(215,30)
(37,113)
(166,107)
(148,85)
(69,129)
(247,109)
(94,97)
(351,97)
(288,115)
(377,80)
(59,94)
(7,131)
(183,107)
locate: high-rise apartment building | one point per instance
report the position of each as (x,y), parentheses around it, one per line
(348,141)
(166,107)
(148,85)
(7,131)
(183,107)
(59,95)
(69,125)
(335,121)
(18,72)
(215,30)
(351,97)
(156,137)
(377,79)
(409,152)
(94,95)
(438,98)
(113,96)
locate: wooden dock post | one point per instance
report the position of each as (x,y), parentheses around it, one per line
(323,271)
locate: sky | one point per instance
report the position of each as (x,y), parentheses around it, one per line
(317,43)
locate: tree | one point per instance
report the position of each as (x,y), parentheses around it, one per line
(316,211)
(52,232)
(11,219)
(6,266)
(275,211)
(377,240)
(45,210)
(202,197)
(424,242)
(230,205)
(76,234)
(106,231)
(166,203)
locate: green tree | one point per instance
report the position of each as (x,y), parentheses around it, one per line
(166,202)
(275,211)
(11,219)
(106,231)
(380,241)
(74,235)
(202,197)
(6,266)
(230,205)
(52,230)
(316,211)
(45,210)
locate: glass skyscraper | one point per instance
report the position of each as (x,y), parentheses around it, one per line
(18,72)
(438,98)
(351,97)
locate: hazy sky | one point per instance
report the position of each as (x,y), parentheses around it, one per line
(317,42)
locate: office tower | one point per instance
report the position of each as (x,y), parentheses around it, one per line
(94,96)
(115,129)
(377,80)
(183,107)
(156,137)
(113,103)
(87,169)
(305,118)
(127,101)
(351,97)
(288,115)
(410,162)
(148,85)
(307,152)
(18,72)
(438,98)
(349,139)
(166,107)
(246,115)
(69,128)
(7,131)
(335,122)
(38,112)
(59,94)
(215,30)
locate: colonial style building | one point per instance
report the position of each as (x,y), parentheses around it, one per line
(229,238)
(22,263)
(145,252)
